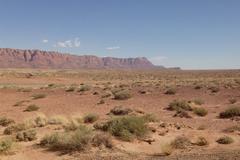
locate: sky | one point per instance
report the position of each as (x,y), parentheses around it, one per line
(191,34)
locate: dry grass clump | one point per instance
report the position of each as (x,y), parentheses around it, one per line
(39,96)
(84,88)
(198,101)
(200,111)
(90,118)
(5,145)
(225,140)
(41,120)
(126,128)
(72,125)
(181,142)
(119,110)
(170,91)
(232,111)
(77,140)
(178,105)
(122,95)
(150,118)
(31,108)
(6,121)
(70,89)
(28,135)
(201,141)
(182,114)
(15,128)
(167,149)
(58,120)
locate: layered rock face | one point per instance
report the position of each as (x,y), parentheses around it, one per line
(16,58)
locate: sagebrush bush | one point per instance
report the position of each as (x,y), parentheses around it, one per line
(122,95)
(90,118)
(5,145)
(77,140)
(6,121)
(127,127)
(225,140)
(28,135)
(200,111)
(41,120)
(31,108)
(178,105)
(232,111)
(181,142)
(38,96)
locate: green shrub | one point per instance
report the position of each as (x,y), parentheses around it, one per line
(201,141)
(233,111)
(200,111)
(171,91)
(119,110)
(77,140)
(127,128)
(28,135)
(5,121)
(5,145)
(181,142)
(90,118)
(225,140)
(31,108)
(122,95)
(178,105)
(38,96)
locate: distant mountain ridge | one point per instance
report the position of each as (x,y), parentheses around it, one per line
(18,58)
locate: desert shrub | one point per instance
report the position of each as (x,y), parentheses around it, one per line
(106,95)
(232,100)
(31,108)
(232,129)
(214,89)
(102,139)
(5,121)
(77,140)
(200,111)
(119,110)
(122,95)
(70,89)
(28,135)
(84,88)
(182,114)
(167,149)
(127,128)
(38,96)
(225,140)
(198,101)
(15,128)
(5,145)
(90,118)
(178,105)
(198,87)
(230,112)
(181,142)
(170,91)
(201,141)
(72,125)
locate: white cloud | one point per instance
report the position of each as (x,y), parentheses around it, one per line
(45,41)
(68,43)
(113,48)
(158,60)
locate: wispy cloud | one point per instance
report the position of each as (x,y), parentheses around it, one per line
(68,43)
(158,60)
(113,48)
(45,41)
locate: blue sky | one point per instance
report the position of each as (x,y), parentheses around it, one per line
(192,34)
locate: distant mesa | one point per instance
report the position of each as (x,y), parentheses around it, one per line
(17,58)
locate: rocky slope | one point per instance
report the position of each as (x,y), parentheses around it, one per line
(16,58)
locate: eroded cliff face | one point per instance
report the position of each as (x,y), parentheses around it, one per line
(16,58)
